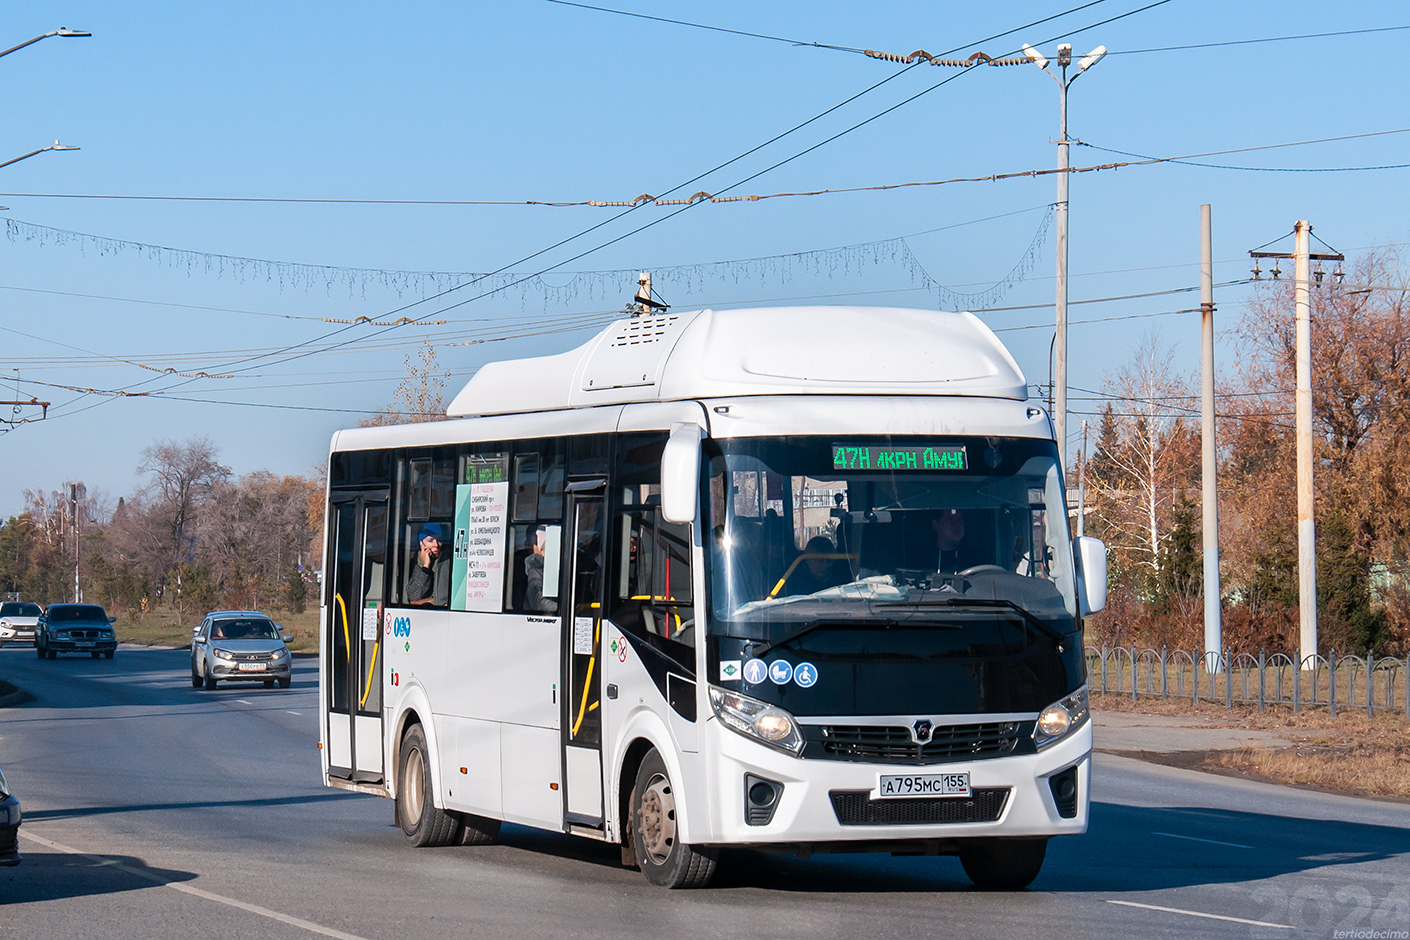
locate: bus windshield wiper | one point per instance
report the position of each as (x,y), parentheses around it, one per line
(809,628)
(992,602)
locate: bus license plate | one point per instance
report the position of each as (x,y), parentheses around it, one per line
(252,667)
(892,786)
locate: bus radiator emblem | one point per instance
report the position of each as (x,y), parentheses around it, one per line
(921,730)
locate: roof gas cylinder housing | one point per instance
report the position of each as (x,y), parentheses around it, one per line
(760,351)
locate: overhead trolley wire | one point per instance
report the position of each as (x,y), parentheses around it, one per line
(304,346)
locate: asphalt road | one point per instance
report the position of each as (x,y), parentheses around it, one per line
(154,810)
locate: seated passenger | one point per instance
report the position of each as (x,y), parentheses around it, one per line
(815,572)
(423,583)
(533,575)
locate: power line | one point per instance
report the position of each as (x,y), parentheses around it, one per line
(305,346)
(716,29)
(1253,169)
(1246,42)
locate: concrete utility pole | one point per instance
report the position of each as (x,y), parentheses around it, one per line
(73,524)
(1064,59)
(1213,617)
(1303,257)
(1306,525)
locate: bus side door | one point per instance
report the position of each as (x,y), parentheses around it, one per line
(582,737)
(352,635)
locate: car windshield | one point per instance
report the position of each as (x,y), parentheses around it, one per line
(244,630)
(19,609)
(827,529)
(83,612)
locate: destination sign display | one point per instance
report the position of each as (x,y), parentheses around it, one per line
(867,457)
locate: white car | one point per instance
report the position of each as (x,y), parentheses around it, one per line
(239,646)
(17,621)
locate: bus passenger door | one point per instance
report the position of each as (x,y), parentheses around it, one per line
(583,665)
(352,637)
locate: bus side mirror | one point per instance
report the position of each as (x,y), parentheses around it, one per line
(680,474)
(1091,570)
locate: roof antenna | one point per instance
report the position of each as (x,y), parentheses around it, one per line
(642,302)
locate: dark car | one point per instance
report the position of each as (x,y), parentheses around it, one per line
(9,825)
(74,628)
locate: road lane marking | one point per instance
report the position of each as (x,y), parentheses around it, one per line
(243,702)
(1171,835)
(1176,910)
(296,713)
(197,892)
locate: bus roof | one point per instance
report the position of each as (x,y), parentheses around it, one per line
(762,351)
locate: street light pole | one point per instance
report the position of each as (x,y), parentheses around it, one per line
(61,31)
(34,153)
(1064,59)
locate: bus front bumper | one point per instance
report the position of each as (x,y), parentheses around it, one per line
(822,802)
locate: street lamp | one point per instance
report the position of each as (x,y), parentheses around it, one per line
(33,153)
(1064,59)
(61,31)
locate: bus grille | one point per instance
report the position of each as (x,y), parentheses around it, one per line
(857,808)
(883,744)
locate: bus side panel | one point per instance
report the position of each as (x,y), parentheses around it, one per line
(470,686)
(523,679)
(531,776)
(471,765)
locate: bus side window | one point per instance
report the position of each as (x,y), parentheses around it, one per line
(654,591)
(533,556)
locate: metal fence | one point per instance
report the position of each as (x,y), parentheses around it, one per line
(1331,681)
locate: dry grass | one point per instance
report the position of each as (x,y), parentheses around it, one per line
(1352,753)
(164,627)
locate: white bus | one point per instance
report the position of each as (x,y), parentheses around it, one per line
(793,579)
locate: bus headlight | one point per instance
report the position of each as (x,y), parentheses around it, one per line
(761,721)
(1061,717)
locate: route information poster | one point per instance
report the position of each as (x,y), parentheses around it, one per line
(477,578)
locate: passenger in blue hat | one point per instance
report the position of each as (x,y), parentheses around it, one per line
(420,587)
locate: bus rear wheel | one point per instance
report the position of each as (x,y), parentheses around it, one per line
(664,859)
(423,823)
(1004,864)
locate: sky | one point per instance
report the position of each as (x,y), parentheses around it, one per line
(530,100)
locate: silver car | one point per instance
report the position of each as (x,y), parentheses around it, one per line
(17,621)
(239,646)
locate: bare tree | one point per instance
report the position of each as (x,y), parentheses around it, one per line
(420,396)
(1145,457)
(182,476)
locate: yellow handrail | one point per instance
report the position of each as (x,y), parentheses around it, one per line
(347,638)
(587,682)
(367,689)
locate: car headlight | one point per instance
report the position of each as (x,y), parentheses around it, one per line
(4,787)
(1062,717)
(761,721)
(224,654)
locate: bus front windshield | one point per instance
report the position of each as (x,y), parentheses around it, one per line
(850,529)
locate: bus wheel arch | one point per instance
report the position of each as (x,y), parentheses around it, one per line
(423,822)
(664,858)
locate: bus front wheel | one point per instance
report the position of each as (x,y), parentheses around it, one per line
(1004,864)
(423,823)
(664,859)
